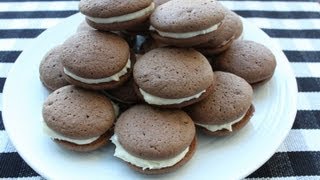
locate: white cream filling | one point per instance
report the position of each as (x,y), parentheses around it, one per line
(121,153)
(186,34)
(227,126)
(123,18)
(151,99)
(115,77)
(115,108)
(55,135)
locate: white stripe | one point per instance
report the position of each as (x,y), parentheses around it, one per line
(4,69)
(29,23)
(306,69)
(301,140)
(308,101)
(270,23)
(298,44)
(24,178)
(288,178)
(272,6)
(5,143)
(39,6)
(14,44)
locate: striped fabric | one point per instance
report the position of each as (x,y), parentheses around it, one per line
(293,24)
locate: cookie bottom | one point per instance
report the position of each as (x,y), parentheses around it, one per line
(188,156)
(101,141)
(235,127)
(208,51)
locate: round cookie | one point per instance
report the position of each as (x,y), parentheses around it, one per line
(186,23)
(96,60)
(250,60)
(111,15)
(173,77)
(78,119)
(50,69)
(158,140)
(227,109)
(230,30)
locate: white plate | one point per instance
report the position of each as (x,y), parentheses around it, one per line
(231,157)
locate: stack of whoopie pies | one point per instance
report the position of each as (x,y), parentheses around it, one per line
(165,86)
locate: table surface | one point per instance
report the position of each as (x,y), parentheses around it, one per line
(293,24)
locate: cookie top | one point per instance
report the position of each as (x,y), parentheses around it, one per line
(230,99)
(78,113)
(152,133)
(187,15)
(50,69)
(173,72)
(111,8)
(250,60)
(94,55)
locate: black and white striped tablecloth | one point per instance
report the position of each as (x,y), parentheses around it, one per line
(293,24)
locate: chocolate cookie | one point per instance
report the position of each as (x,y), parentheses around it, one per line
(154,140)
(230,30)
(227,108)
(110,15)
(50,69)
(250,60)
(186,23)
(173,77)
(78,119)
(96,60)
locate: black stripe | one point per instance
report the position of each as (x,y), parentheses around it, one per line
(12,165)
(9,56)
(286,164)
(307,119)
(303,56)
(1,122)
(36,14)
(20,33)
(308,84)
(283,33)
(279,14)
(2,81)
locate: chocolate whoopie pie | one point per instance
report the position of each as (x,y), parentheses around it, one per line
(96,60)
(153,140)
(50,69)
(230,30)
(113,15)
(186,23)
(173,77)
(78,119)
(227,109)
(250,60)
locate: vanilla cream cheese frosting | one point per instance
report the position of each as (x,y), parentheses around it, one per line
(151,99)
(227,126)
(186,34)
(115,77)
(121,153)
(55,135)
(123,18)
